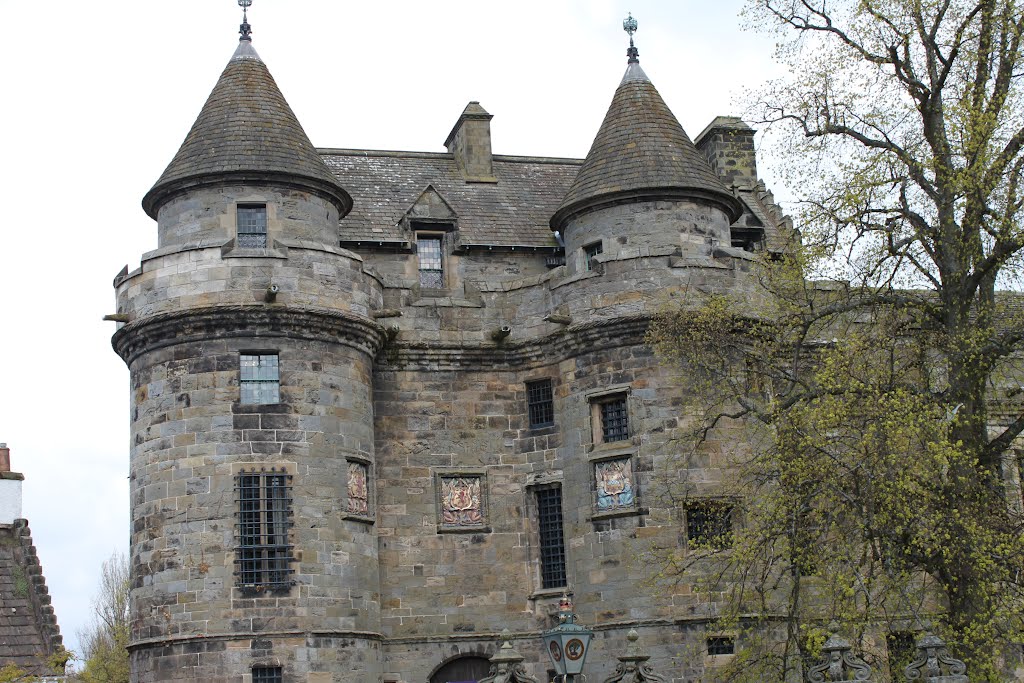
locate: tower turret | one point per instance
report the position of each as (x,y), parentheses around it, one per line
(250,345)
(643,182)
(246,136)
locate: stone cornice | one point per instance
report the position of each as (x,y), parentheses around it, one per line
(260,321)
(567,343)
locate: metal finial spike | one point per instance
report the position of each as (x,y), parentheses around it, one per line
(245,30)
(629,26)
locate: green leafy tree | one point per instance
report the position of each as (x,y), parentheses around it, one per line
(877,371)
(105,642)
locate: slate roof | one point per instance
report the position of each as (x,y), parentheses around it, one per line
(512,212)
(246,128)
(29,634)
(641,152)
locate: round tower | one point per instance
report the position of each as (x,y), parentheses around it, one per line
(250,344)
(643,185)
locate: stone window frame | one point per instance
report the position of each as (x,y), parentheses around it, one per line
(259,353)
(590,253)
(371,504)
(268,674)
(628,453)
(708,501)
(241,208)
(288,470)
(233,249)
(595,399)
(439,230)
(532,508)
(723,659)
(533,381)
(440,473)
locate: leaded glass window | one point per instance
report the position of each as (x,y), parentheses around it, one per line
(429,256)
(540,403)
(552,537)
(264,507)
(252,225)
(260,378)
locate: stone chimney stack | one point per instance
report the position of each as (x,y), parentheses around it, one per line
(728,145)
(10,488)
(470,144)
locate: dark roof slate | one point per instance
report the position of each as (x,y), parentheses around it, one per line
(641,151)
(28,628)
(246,127)
(511,212)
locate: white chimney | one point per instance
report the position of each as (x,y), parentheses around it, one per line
(10,488)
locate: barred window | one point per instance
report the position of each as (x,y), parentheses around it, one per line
(902,646)
(613,415)
(540,403)
(267,674)
(721,645)
(252,225)
(552,538)
(428,253)
(709,525)
(591,251)
(260,378)
(263,554)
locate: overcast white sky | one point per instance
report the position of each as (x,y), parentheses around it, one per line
(97,97)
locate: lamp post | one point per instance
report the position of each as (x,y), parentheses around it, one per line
(568,643)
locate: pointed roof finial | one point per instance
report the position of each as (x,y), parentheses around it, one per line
(629,26)
(245,30)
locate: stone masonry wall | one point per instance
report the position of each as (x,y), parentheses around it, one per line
(190,437)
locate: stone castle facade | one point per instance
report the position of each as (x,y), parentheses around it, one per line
(388,404)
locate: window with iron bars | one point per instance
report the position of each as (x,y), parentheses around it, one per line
(263,555)
(709,525)
(552,537)
(267,674)
(540,403)
(612,414)
(721,645)
(902,646)
(251,226)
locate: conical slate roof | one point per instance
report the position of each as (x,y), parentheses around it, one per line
(246,131)
(641,153)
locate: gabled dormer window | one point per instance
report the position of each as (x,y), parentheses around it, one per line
(252,226)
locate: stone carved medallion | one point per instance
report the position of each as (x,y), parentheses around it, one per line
(461,504)
(614,482)
(358,490)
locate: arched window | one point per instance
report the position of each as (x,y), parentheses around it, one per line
(462,670)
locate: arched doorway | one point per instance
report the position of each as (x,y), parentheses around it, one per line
(462,670)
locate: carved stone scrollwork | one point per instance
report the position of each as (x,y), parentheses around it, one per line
(633,667)
(507,664)
(933,664)
(839,663)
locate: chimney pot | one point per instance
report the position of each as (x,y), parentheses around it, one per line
(5,458)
